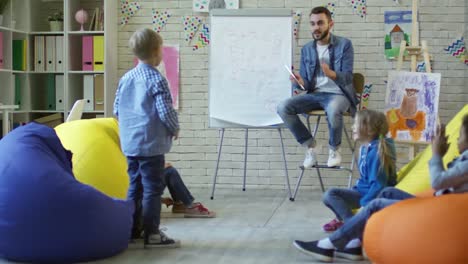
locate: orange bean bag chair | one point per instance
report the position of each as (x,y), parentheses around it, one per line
(425,229)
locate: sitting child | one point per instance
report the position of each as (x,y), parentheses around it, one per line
(346,241)
(376,167)
(182,200)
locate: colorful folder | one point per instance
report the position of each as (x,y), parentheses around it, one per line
(87,53)
(98,52)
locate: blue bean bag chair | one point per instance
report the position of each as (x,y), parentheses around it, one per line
(46,215)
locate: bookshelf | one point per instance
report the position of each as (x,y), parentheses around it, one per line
(50,82)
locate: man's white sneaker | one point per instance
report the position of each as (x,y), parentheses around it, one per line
(334,158)
(310,158)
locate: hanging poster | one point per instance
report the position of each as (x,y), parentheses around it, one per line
(397,29)
(169,68)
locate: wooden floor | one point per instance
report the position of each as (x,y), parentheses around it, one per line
(255,226)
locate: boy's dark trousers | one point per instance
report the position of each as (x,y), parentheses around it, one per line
(145,189)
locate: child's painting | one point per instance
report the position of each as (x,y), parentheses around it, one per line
(169,68)
(397,28)
(411,105)
(207,5)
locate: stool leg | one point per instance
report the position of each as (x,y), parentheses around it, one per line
(353,157)
(293,197)
(320,179)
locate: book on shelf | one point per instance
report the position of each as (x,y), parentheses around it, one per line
(101,20)
(93,24)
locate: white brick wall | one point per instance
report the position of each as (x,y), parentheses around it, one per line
(196,152)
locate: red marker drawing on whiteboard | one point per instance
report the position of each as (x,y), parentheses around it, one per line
(292,74)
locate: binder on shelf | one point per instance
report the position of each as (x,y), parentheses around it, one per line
(39,55)
(98,52)
(50,53)
(18,90)
(18,54)
(24,61)
(50,94)
(87,53)
(1,50)
(99,92)
(59,53)
(88,92)
(59,92)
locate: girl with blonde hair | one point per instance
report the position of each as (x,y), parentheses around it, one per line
(377,170)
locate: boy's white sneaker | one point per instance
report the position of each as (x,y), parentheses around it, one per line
(310,158)
(161,240)
(334,158)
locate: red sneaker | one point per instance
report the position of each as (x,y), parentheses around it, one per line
(332,225)
(199,211)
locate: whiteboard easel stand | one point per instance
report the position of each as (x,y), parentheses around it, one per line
(414,53)
(220,147)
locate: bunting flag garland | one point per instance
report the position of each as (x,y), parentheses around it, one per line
(457,49)
(128,10)
(296,21)
(365,96)
(359,7)
(160,19)
(203,37)
(331,7)
(421,67)
(191,24)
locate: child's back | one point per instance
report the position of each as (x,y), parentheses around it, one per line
(147,120)
(147,123)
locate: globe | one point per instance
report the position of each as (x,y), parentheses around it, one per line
(81,17)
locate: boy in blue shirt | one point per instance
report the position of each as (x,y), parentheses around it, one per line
(147,124)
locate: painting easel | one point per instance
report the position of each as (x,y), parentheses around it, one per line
(415,53)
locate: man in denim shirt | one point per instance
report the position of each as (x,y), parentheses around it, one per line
(326,74)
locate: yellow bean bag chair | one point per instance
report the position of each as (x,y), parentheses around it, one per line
(426,229)
(97,158)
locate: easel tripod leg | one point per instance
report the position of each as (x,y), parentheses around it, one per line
(286,175)
(245,156)
(221,138)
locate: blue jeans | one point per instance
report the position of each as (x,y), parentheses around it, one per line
(333,104)
(145,190)
(354,226)
(176,186)
(342,201)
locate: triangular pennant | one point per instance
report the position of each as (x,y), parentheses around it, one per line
(359,7)
(128,10)
(365,96)
(296,22)
(160,19)
(191,24)
(201,5)
(203,38)
(457,49)
(331,7)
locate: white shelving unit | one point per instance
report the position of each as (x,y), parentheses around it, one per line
(25,19)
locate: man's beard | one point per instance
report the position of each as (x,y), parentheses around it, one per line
(322,36)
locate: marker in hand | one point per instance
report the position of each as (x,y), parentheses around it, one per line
(292,74)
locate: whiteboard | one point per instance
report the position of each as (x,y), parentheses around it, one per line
(247,78)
